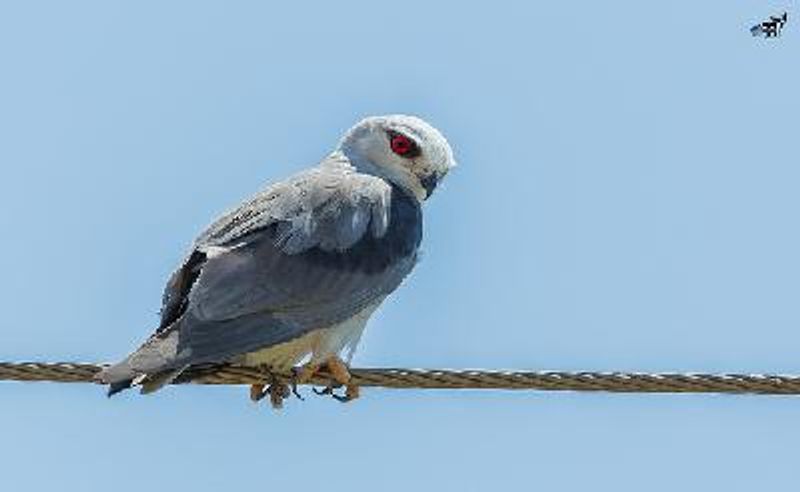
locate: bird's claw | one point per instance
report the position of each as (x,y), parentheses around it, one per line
(348,396)
(294,384)
(277,390)
(340,377)
(329,390)
(257,392)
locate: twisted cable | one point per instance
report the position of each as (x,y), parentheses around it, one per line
(614,382)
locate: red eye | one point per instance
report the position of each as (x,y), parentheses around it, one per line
(402,145)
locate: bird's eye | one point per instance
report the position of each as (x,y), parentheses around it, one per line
(402,145)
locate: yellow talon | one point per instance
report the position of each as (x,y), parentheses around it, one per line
(257,392)
(277,391)
(338,371)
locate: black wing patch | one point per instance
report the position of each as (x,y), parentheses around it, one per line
(176,295)
(372,255)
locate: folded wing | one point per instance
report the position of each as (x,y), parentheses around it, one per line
(303,254)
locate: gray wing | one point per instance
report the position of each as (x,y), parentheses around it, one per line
(304,254)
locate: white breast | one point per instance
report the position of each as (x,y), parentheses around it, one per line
(320,344)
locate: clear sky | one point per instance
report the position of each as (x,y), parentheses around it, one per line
(627,199)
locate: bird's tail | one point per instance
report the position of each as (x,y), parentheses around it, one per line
(149,383)
(152,366)
(115,388)
(118,377)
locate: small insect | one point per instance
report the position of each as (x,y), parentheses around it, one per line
(770,28)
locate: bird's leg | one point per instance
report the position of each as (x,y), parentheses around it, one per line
(308,371)
(257,392)
(277,390)
(304,375)
(341,374)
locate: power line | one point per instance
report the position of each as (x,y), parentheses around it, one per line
(614,382)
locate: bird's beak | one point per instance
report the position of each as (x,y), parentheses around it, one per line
(429,182)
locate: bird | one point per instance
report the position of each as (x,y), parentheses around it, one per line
(771,28)
(293,274)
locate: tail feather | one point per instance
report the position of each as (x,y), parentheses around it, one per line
(149,383)
(152,366)
(115,388)
(154,382)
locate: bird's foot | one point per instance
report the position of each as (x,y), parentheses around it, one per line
(257,392)
(340,377)
(351,392)
(277,390)
(341,374)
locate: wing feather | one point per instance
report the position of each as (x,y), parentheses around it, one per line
(303,254)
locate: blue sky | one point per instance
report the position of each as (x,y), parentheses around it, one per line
(626,200)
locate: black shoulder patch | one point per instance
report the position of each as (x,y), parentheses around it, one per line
(375,254)
(178,300)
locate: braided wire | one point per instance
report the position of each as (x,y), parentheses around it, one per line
(616,382)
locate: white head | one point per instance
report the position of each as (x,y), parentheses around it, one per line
(404,150)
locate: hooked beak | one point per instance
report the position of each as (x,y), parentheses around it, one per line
(429,182)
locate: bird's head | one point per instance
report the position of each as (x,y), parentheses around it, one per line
(404,150)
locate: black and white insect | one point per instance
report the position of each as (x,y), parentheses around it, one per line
(770,28)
